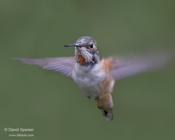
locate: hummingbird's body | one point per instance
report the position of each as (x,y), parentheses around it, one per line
(97,83)
(89,78)
(95,76)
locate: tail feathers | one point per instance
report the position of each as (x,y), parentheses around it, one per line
(108,115)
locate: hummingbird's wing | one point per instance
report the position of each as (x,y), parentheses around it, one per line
(59,64)
(136,64)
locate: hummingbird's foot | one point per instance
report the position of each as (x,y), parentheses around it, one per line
(92,97)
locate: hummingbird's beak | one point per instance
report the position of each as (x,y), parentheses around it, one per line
(70,45)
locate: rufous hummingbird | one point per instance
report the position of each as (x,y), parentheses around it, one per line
(94,75)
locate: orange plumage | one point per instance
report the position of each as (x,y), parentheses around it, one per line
(104,101)
(81,59)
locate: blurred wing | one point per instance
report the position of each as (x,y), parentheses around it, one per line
(60,64)
(133,65)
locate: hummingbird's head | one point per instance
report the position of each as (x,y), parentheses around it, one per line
(86,51)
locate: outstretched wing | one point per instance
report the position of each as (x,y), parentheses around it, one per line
(136,64)
(59,64)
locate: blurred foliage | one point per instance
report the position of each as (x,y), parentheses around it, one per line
(52,104)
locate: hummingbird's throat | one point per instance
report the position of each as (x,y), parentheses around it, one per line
(81,60)
(84,60)
(84,57)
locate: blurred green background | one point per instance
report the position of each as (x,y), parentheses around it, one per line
(52,104)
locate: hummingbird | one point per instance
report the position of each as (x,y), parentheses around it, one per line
(94,75)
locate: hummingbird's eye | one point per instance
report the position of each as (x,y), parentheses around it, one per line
(91,46)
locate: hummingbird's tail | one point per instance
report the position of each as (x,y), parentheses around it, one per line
(108,115)
(105,104)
